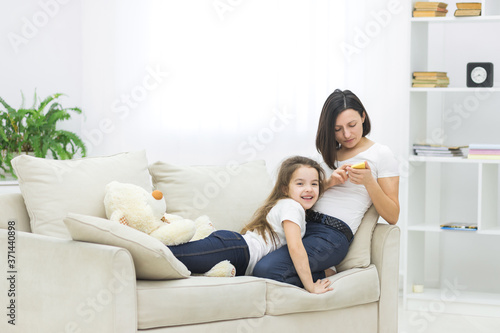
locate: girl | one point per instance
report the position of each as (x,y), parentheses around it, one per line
(349,192)
(280,221)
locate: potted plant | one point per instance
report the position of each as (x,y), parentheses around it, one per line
(34,131)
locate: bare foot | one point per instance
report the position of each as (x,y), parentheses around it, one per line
(330,272)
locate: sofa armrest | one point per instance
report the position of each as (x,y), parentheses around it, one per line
(385,255)
(12,208)
(61,285)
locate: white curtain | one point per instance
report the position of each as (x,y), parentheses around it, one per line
(207,82)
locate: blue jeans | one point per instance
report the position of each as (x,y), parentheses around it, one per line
(201,255)
(325,247)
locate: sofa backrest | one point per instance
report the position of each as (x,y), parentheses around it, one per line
(228,194)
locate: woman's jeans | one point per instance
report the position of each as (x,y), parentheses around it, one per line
(201,255)
(325,247)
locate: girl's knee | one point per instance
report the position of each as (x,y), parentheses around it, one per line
(262,270)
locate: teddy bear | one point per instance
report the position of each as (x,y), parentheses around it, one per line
(133,206)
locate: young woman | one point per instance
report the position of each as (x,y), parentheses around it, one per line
(349,192)
(280,221)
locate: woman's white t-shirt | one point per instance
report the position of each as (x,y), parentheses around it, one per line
(349,202)
(285,209)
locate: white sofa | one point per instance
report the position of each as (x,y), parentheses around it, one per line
(119,280)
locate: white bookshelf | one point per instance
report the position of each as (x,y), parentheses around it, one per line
(457,268)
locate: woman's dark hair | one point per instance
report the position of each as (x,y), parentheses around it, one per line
(336,103)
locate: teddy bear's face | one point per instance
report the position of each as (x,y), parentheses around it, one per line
(133,200)
(157,203)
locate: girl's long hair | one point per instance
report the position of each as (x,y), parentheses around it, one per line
(259,222)
(337,102)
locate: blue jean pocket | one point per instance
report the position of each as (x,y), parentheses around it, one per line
(227,235)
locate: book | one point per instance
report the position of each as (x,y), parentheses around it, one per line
(484,151)
(428,13)
(437,74)
(437,154)
(436,81)
(436,147)
(484,146)
(459,226)
(430,5)
(468,5)
(438,150)
(430,79)
(467,12)
(438,9)
(429,85)
(483,157)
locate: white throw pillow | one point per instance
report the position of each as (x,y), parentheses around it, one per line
(359,255)
(229,195)
(52,188)
(152,259)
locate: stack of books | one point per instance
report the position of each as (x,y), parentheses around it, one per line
(438,150)
(468,9)
(430,79)
(484,151)
(459,226)
(430,9)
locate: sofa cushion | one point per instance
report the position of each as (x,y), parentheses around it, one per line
(199,300)
(52,188)
(152,259)
(353,287)
(359,255)
(228,194)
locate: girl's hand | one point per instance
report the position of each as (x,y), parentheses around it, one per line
(339,176)
(360,176)
(320,287)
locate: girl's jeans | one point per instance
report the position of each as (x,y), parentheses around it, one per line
(325,247)
(201,255)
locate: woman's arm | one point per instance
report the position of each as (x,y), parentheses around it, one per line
(301,261)
(384,192)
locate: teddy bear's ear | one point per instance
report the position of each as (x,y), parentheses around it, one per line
(157,195)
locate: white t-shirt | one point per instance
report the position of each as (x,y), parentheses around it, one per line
(285,209)
(349,201)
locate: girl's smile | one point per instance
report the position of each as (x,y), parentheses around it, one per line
(304,186)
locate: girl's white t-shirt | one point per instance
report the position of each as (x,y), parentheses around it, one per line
(349,202)
(285,209)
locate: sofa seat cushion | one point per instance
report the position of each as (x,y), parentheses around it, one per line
(352,287)
(199,299)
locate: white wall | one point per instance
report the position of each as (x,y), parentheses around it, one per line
(206,82)
(41,49)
